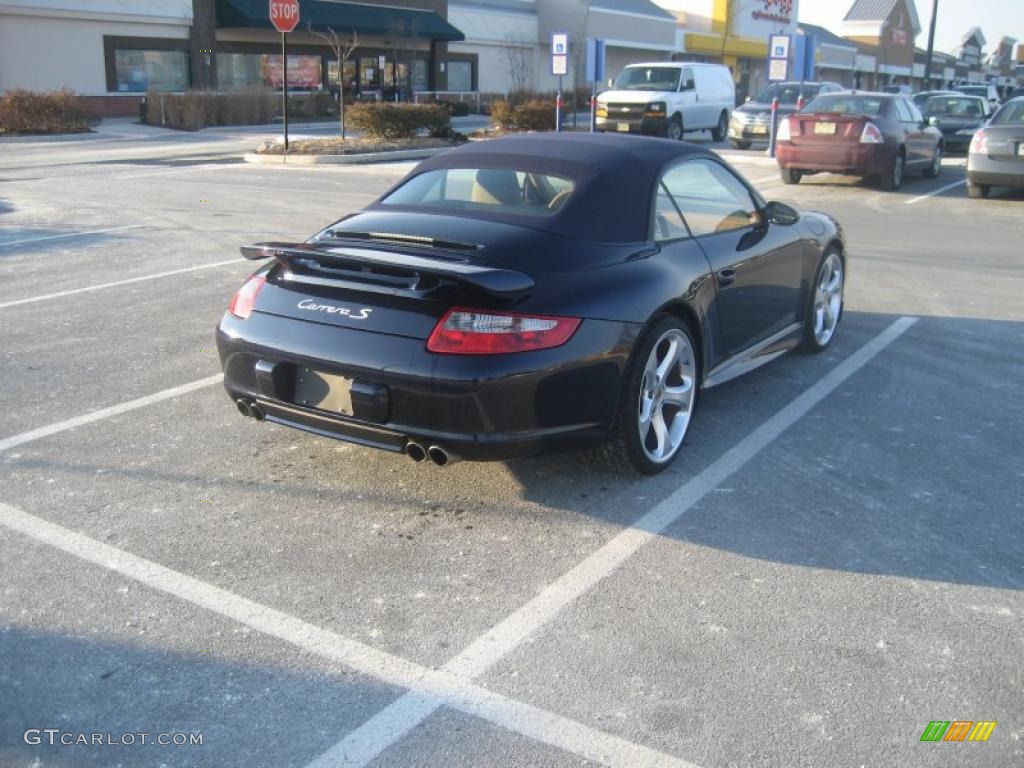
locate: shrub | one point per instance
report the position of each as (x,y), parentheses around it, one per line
(197,109)
(24,111)
(533,115)
(386,120)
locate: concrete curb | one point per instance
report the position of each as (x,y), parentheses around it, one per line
(366,157)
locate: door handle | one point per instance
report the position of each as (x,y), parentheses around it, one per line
(726,277)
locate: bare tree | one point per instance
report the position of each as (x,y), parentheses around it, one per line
(343,48)
(518,62)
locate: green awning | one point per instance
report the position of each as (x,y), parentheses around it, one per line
(375,20)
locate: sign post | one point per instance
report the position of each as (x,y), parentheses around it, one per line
(284,15)
(778,71)
(595,74)
(559,68)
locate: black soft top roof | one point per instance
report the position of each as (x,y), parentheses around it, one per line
(614,179)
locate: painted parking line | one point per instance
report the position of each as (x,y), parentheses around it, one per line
(429,688)
(105,413)
(70,234)
(116,283)
(933,193)
(371,739)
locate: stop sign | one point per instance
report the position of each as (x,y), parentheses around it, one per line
(284,14)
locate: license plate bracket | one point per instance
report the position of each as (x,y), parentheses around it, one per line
(825,128)
(759,130)
(1020,149)
(624,127)
(326,391)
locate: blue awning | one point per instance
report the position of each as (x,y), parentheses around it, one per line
(371,20)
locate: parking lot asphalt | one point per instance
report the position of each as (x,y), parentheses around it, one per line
(834,562)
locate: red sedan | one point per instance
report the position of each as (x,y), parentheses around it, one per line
(862,134)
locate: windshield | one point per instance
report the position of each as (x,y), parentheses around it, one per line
(787,93)
(1012,112)
(496,189)
(846,104)
(648,79)
(953,106)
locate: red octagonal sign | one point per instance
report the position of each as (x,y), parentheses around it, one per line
(284,14)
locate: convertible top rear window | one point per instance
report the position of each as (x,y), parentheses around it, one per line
(496,189)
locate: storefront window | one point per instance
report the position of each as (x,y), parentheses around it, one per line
(460,76)
(238,71)
(369,73)
(156,70)
(348,74)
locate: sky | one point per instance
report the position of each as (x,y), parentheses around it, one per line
(996,18)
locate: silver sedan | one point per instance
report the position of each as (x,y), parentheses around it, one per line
(996,156)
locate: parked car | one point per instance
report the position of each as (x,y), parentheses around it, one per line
(668,99)
(996,155)
(922,96)
(859,133)
(901,90)
(957,117)
(987,92)
(529,294)
(752,121)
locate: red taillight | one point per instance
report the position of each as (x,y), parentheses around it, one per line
(871,134)
(784,132)
(979,143)
(241,303)
(483,332)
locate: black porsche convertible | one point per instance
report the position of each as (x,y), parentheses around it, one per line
(530,294)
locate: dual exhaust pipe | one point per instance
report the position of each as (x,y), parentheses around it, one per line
(252,410)
(441,456)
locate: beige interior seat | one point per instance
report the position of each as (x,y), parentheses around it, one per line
(496,186)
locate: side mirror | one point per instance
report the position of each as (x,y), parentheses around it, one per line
(933,121)
(746,100)
(781,214)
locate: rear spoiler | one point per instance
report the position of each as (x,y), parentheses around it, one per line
(493,280)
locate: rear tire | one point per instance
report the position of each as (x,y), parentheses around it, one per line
(719,132)
(740,143)
(659,406)
(977,191)
(892,179)
(936,167)
(791,175)
(675,129)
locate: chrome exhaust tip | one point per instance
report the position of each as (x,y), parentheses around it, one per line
(415,451)
(243,407)
(256,412)
(441,456)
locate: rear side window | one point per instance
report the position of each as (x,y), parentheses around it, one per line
(846,104)
(496,189)
(904,111)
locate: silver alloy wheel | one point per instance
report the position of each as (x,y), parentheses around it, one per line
(937,162)
(667,393)
(675,130)
(828,299)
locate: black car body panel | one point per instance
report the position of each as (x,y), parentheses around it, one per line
(313,316)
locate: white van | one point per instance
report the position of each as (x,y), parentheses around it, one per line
(668,98)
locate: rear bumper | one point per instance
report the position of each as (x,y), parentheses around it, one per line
(480,407)
(858,159)
(995,173)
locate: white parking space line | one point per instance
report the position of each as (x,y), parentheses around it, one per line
(430,689)
(116,283)
(935,192)
(510,633)
(71,234)
(105,413)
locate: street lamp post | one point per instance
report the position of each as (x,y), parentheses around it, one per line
(931,44)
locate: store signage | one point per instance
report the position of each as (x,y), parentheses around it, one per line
(780,11)
(778,57)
